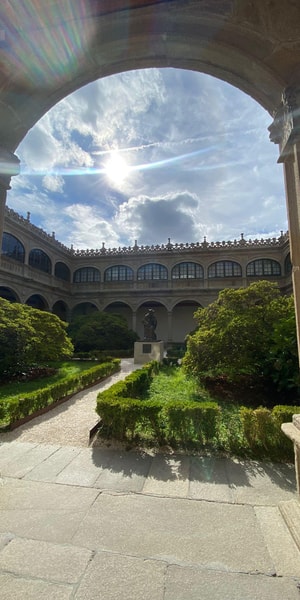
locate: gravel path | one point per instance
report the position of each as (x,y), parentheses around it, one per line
(68,424)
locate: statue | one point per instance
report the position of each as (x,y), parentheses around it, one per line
(150,323)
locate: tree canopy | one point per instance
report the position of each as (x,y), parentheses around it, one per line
(29,336)
(101,331)
(246,331)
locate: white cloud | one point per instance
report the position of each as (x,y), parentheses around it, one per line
(87,223)
(208,167)
(53,183)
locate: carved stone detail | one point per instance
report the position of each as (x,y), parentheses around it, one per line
(285,129)
(9,166)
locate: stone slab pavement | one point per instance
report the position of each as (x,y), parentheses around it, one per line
(92,523)
(100,523)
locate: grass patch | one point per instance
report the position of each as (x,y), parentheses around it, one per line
(63,369)
(172,384)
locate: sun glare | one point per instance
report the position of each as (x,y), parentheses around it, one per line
(116,168)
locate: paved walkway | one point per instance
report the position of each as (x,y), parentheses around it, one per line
(95,523)
(70,422)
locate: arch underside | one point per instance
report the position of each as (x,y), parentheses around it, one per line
(49,53)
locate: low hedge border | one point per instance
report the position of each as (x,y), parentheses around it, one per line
(124,414)
(262,431)
(14,409)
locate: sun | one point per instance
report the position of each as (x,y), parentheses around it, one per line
(116,168)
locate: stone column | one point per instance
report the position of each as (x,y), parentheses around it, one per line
(9,166)
(133,327)
(285,131)
(170,324)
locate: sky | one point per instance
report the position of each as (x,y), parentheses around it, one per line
(149,155)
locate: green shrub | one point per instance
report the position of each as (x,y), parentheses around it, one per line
(262,431)
(14,408)
(122,417)
(188,421)
(124,413)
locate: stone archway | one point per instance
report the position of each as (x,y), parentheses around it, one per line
(8,294)
(50,52)
(120,308)
(183,321)
(37,301)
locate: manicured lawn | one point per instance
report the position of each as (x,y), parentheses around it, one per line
(172,384)
(63,370)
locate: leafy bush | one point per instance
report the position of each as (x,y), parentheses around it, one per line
(29,336)
(249,331)
(100,331)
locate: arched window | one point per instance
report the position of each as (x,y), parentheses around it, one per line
(187,270)
(12,247)
(62,271)
(152,271)
(118,273)
(38,259)
(263,267)
(86,275)
(225,268)
(288,265)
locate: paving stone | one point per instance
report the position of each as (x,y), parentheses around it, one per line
(5,538)
(41,510)
(261,483)
(290,512)
(282,548)
(168,476)
(84,470)
(9,451)
(192,584)
(208,479)
(50,468)
(115,577)
(56,526)
(43,560)
(17,588)
(23,495)
(125,471)
(19,466)
(176,530)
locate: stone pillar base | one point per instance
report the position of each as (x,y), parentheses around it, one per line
(146,351)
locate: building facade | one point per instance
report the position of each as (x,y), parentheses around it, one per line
(174,279)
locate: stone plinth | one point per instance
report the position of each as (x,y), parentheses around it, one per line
(148,350)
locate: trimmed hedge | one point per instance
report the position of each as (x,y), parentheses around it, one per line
(262,430)
(14,408)
(124,414)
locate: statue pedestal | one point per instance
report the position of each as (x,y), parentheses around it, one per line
(146,351)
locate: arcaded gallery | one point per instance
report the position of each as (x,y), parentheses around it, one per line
(174,279)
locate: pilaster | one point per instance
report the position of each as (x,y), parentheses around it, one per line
(285,131)
(170,326)
(9,166)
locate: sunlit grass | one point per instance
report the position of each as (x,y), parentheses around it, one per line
(172,384)
(63,369)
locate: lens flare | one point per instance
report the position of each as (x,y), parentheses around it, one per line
(116,169)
